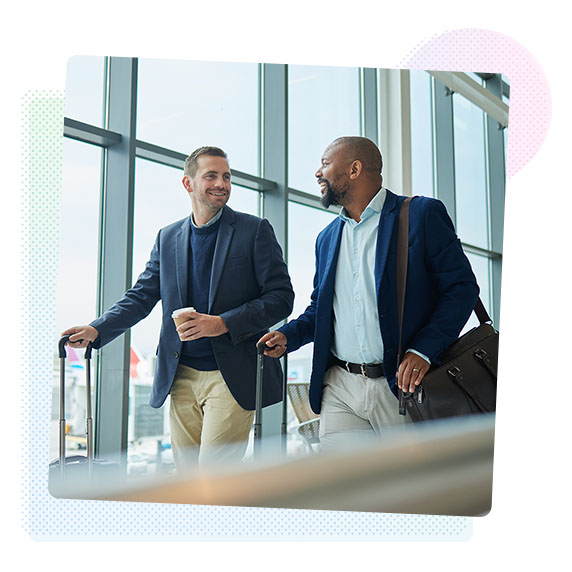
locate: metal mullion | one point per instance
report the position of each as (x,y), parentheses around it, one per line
(274,166)
(176,160)
(275,148)
(90,134)
(395,129)
(112,386)
(475,93)
(443,145)
(481,251)
(369,103)
(496,184)
(309,200)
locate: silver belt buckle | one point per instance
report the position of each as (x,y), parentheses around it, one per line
(363,372)
(348,367)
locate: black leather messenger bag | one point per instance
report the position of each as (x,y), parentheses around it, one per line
(466,381)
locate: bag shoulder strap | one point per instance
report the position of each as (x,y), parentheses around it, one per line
(402,250)
(481,312)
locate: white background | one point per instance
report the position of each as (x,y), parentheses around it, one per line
(528,526)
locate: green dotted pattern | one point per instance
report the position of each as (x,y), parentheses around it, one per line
(48,518)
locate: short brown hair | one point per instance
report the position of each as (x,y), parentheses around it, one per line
(191,161)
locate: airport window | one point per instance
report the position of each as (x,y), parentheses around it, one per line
(76,287)
(323,103)
(79,234)
(471,193)
(244,200)
(304,225)
(422,153)
(481,266)
(184,105)
(85,89)
(476,78)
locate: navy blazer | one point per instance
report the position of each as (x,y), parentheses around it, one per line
(249,288)
(440,295)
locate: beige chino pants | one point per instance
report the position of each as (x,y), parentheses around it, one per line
(355,408)
(207,424)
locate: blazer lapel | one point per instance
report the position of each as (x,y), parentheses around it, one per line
(384,233)
(332,261)
(182,246)
(225,232)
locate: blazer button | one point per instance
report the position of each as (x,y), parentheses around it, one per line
(176,355)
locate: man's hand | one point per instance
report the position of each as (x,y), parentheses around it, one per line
(80,336)
(200,326)
(411,371)
(277,339)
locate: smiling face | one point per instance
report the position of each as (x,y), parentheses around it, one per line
(333,176)
(209,187)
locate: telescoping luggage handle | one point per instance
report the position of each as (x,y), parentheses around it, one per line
(260,348)
(89,422)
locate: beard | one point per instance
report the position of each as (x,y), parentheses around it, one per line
(332,195)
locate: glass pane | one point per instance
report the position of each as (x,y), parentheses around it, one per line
(475,77)
(323,103)
(244,200)
(149,442)
(76,290)
(482,269)
(304,225)
(421,134)
(184,105)
(470,172)
(85,89)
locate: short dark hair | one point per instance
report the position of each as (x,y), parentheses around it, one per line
(362,149)
(191,161)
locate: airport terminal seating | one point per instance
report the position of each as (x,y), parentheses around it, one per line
(309,422)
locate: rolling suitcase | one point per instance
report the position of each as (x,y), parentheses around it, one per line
(77,468)
(258,401)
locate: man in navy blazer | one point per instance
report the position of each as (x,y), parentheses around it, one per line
(229,267)
(352,318)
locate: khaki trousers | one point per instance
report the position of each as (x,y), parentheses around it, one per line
(207,424)
(355,408)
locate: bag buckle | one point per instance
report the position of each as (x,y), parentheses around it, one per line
(454,372)
(481,354)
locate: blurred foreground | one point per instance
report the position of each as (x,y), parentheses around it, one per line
(443,467)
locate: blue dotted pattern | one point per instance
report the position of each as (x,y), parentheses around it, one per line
(48,518)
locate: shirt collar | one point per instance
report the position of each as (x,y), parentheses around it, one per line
(374,206)
(207,224)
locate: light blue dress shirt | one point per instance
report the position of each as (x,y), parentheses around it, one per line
(211,222)
(357,335)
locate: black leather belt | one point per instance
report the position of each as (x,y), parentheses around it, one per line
(366,369)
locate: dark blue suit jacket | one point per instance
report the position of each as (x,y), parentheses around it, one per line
(250,289)
(440,295)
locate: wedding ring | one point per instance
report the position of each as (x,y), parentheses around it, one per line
(417,370)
